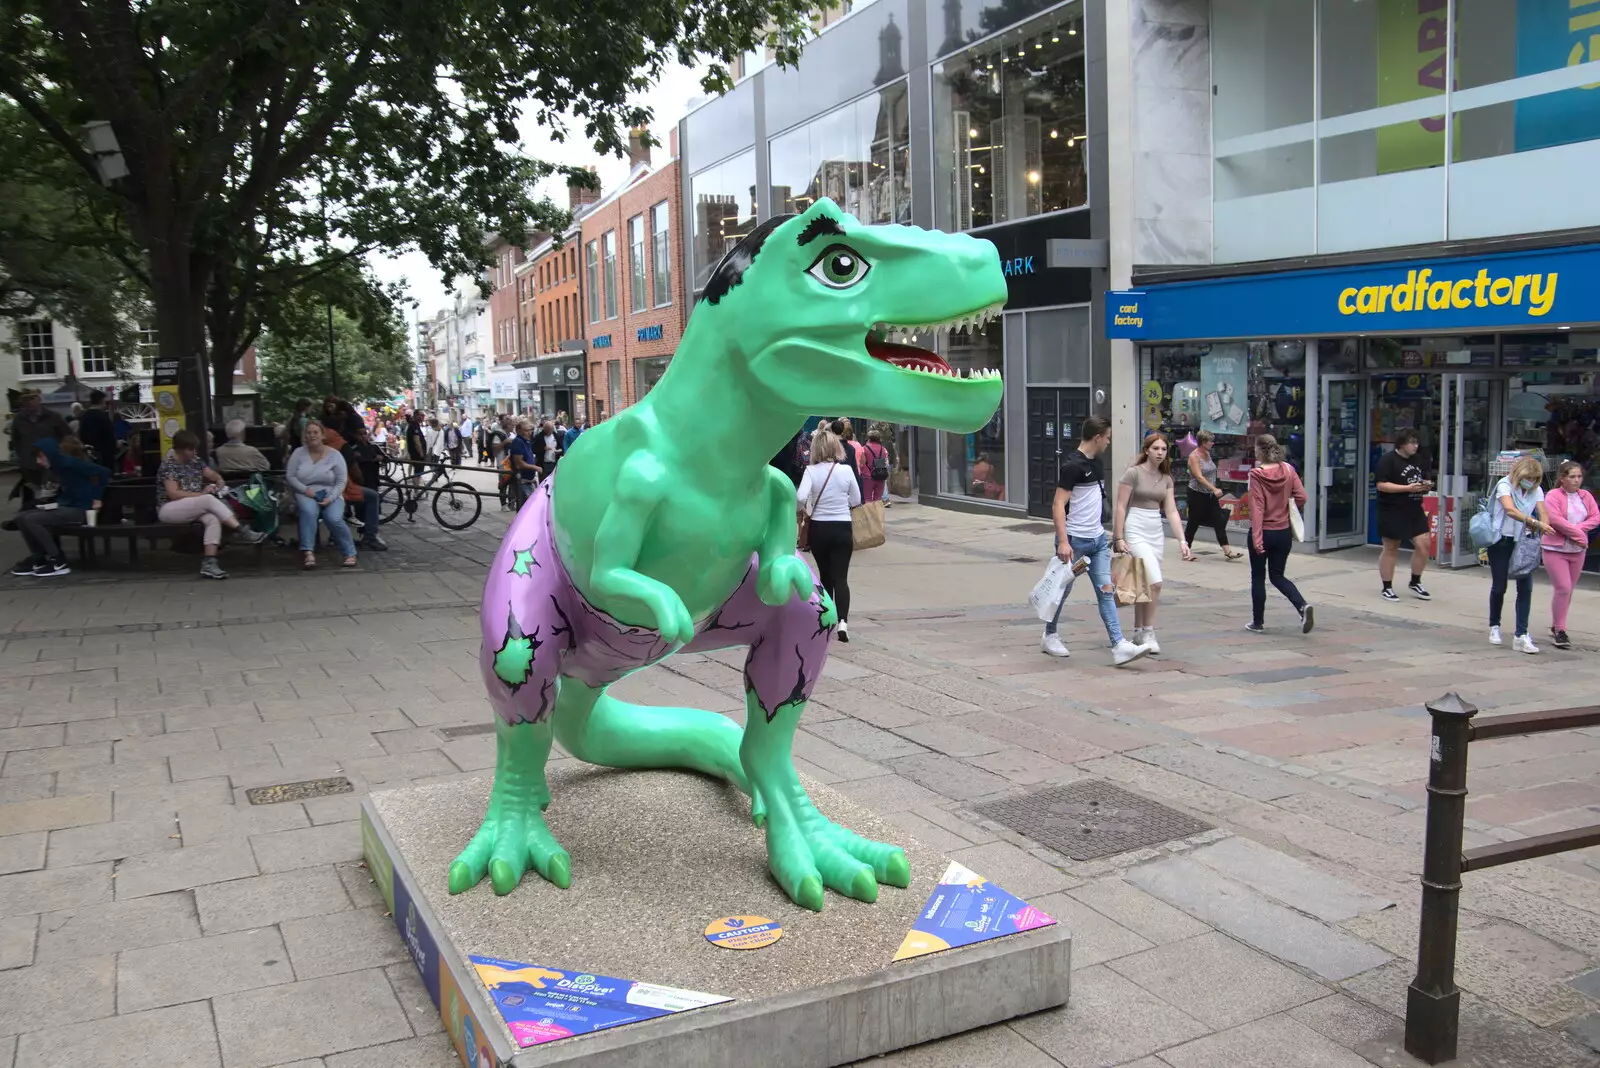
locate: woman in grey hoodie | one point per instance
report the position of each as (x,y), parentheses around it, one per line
(317,475)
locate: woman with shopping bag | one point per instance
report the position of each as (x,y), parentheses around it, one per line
(1144,499)
(824,498)
(1518,553)
(1275,488)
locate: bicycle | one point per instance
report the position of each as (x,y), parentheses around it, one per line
(456,505)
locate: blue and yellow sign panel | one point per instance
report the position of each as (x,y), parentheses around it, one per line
(1503,291)
(966,908)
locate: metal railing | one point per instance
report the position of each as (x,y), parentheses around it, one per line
(1433,1002)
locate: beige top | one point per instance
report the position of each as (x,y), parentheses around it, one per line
(1149,490)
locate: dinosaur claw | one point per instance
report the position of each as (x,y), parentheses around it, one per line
(808,895)
(560,871)
(864,887)
(897,870)
(462,877)
(503,876)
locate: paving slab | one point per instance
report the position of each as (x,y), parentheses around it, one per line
(306,848)
(184,869)
(117,925)
(345,941)
(178,1037)
(1287,880)
(1220,770)
(22,852)
(1109,1021)
(421,1013)
(64,992)
(263,900)
(54,888)
(279,1024)
(1270,1043)
(1095,938)
(992,1047)
(17,937)
(430,1051)
(47,814)
(1252,918)
(1147,916)
(112,841)
(1345,1020)
(1218,981)
(200,968)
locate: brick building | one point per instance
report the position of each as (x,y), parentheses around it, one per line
(503,303)
(550,365)
(633,299)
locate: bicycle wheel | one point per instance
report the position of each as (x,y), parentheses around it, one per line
(391,495)
(456,506)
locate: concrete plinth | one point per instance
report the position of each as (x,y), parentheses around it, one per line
(656,856)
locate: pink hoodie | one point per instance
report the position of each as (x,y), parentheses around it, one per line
(1563,534)
(1271,488)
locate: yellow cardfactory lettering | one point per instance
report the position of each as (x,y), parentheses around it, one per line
(1421,291)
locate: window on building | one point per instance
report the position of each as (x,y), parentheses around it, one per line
(149,345)
(636,285)
(661,253)
(96,359)
(614,385)
(591,255)
(724,198)
(38,347)
(857,155)
(1010,124)
(608,253)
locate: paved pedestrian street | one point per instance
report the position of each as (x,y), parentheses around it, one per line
(150,915)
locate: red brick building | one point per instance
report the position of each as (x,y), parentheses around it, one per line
(629,261)
(550,365)
(503,303)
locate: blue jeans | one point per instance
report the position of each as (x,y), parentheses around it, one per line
(331,514)
(1499,575)
(369,511)
(1098,552)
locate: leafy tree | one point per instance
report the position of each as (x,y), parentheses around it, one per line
(253,129)
(295,360)
(61,256)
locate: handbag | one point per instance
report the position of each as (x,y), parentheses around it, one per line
(1527,554)
(866,525)
(802,519)
(1297,522)
(1130,580)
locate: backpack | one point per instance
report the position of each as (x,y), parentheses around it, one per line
(1484,527)
(880,463)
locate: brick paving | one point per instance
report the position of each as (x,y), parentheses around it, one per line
(150,916)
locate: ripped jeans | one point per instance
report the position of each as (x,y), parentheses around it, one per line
(1098,552)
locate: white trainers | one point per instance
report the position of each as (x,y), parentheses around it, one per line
(1523,643)
(1125,652)
(1494,636)
(1052,645)
(1146,636)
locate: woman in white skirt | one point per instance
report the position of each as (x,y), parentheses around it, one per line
(1144,499)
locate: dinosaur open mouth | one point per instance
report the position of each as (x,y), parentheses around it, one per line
(911,357)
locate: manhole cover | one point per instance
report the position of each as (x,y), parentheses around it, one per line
(1088,820)
(452,733)
(299,791)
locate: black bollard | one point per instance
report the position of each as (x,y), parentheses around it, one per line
(1433,1002)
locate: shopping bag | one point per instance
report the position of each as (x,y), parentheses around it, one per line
(1297,522)
(1049,590)
(866,525)
(1130,580)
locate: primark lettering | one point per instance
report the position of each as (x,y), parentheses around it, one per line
(1422,292)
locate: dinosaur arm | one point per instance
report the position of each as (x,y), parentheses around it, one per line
(782,574)
(641,487)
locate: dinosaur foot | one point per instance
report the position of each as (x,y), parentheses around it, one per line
(513,839)
(806,851)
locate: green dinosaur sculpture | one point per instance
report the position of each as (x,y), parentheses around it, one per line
(671,532)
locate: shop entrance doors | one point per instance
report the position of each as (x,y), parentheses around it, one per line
(1346,432)
(1055,416)
(1469,437)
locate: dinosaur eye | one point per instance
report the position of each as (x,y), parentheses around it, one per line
(839,267)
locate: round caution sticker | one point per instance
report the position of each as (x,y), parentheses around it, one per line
(743,932)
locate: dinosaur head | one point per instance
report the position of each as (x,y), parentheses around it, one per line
(807,303)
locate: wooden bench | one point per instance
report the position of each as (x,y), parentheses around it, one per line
(128,511)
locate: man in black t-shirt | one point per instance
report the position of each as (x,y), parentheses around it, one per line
(1400,488)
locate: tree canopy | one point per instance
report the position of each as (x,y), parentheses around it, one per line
(255,132)
(294,361)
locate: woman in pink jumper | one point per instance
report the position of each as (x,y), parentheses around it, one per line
(1573,515)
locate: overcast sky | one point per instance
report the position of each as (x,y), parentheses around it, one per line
(667,101)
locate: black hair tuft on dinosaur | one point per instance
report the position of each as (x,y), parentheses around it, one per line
(730,271)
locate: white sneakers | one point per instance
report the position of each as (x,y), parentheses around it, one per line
(1523,643)
(1146,636)
(1125,652)
(1494,636)
(1052,645)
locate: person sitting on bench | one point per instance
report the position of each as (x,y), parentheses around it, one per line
(236,456)
(186,490)
(81,484)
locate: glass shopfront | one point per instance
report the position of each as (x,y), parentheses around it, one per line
(858,155)
(1477,397)
(723,210)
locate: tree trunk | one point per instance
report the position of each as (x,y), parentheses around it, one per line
(177,289)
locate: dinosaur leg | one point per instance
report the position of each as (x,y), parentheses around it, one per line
(599,729)
(805,850)
(513,836)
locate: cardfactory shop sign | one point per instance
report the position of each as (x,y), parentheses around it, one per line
(1541,288)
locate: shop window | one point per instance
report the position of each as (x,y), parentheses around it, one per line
(608,254)
(724,199)
(1010,125)
(974,465)
(661,253)
(636,293)
(1058,347)
(858,156)
(647,371)
(591,256)
(614,385)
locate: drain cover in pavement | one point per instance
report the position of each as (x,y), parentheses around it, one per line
(452,733)
(299,791)
(1091,819)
